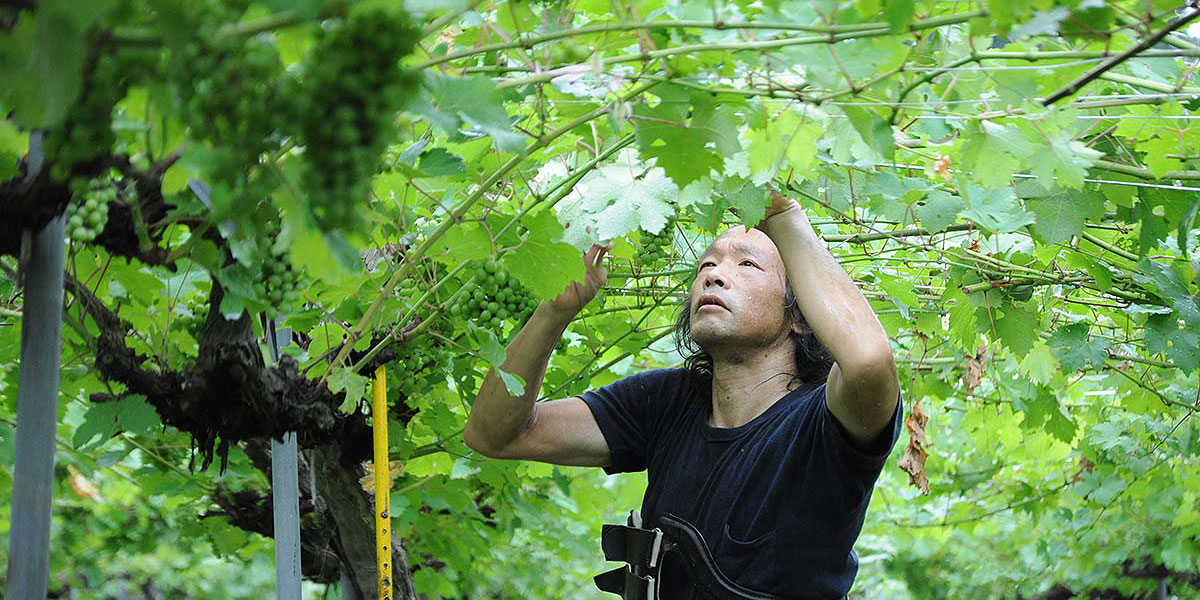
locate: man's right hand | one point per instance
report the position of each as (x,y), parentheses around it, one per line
(578,294)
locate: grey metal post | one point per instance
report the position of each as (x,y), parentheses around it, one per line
(37,409)
(285,493)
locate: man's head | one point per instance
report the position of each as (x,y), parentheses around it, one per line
(741,302)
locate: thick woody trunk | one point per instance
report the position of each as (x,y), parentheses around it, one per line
(352,511)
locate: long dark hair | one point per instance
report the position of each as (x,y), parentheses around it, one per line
(811,360)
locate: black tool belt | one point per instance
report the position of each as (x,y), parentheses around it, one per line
(643,550)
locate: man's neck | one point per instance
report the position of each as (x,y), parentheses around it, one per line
(745,387)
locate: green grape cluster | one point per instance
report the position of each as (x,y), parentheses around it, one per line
(492,297)
(228,91)
(420,365)
(353,86)
(194,312)
(656,246)
(280,284)
(87,212)
(87,132)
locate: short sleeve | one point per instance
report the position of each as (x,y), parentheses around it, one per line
(629,412)
(867,457)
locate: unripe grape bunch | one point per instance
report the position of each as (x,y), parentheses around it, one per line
(280,283)
(419,365)
(353,85)
(87,212)
(656,246)
(195,312)
(87,131)
(227,88)
(492,296)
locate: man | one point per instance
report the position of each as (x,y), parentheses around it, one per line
(766,445)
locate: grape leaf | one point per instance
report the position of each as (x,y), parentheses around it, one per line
(1061,215)
(439,161)
(939,211)
(1075,350)
(748,199)
(103,419)
(473,101)
(664,130)
(899,13)
(42,63)
(1039,363)
(1044,411)
(996,209)
(1063,161)
(875,132)
(344,379)
(615,200)
(1018,328)
(462,244)
(543,262)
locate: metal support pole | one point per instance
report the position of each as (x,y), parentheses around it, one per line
(37,410)
(285,493)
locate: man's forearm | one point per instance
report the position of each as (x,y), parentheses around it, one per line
(498,417)
(835,309)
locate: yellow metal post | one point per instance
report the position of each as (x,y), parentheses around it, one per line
(383,486)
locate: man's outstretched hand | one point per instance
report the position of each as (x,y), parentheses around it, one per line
(578,294)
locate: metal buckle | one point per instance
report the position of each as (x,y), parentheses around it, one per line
(654,553)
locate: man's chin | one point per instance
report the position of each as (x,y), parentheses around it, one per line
(708,337)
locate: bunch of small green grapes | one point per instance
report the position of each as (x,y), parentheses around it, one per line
(420,365)
(194,312)
(87,211)
(229,90)
(350,89)
(87,132)
(656,246)
(491,297)
(281,283)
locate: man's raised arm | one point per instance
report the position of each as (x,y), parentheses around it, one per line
(863,386)
(561,431)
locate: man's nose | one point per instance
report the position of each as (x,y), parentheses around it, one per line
(714,275)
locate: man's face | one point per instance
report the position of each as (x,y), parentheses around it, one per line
(737,297)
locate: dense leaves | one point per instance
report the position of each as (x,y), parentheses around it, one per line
(1035,266)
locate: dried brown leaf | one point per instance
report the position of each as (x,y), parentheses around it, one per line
(913,461)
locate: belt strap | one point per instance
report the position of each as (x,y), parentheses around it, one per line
(643,548)
(634,545)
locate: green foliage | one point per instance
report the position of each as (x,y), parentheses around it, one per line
(1035,267)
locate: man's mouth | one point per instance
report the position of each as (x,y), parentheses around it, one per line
(710,300)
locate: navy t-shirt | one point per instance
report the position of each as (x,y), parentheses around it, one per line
(779,500)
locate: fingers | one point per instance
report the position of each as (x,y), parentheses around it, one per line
(595,254)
